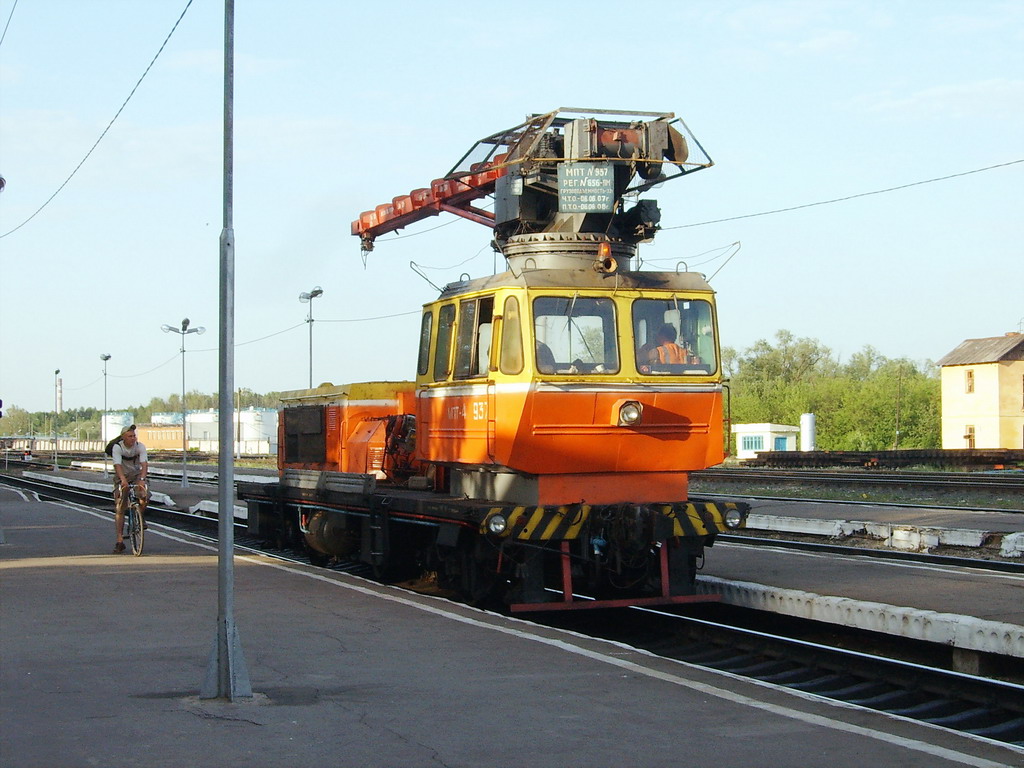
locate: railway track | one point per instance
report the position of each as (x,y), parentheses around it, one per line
(1003,566)
(1006,481)
(988,708)
(984,707)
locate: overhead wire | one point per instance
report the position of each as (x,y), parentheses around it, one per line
(847,197)
(109,125)
(722,249)
(366,319)
(242,344)
(9,17)
(171,359)
(750,215)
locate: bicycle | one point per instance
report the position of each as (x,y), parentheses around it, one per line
(136,521)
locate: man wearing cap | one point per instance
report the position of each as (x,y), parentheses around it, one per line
(131,465)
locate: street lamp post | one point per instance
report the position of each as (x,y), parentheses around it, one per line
(184,331)
(307,298)
(56,406)
(103,432)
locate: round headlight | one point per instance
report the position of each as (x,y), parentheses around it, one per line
(733,518)
(497,523)
(630,413)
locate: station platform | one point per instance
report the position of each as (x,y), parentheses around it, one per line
(104,656)
(974,612)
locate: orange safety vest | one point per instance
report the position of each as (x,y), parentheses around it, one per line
(672,354)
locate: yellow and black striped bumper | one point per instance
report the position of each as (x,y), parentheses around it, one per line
(540,523)
(691,519)
(702,518)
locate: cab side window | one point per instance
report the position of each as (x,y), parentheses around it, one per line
(473,350)
(424,357)
(511,338)
(443,348)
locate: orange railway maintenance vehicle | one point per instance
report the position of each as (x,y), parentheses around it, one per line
(540,458)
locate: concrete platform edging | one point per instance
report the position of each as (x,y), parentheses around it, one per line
(174,474)
(213,508)
(964,632)
(905,537)
(1012,545)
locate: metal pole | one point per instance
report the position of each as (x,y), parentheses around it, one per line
(226,674)
(55,406)
(310,321)
(103,433)
(184,418)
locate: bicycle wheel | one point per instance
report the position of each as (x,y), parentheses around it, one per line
(136,529)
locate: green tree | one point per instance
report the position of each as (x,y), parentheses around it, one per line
(16,421)
(870,403)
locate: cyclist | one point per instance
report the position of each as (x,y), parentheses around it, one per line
(131,465)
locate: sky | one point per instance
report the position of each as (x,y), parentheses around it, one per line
(341,106)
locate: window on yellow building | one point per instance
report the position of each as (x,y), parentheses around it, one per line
(969,381)
(969,435)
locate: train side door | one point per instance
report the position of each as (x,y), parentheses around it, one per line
(472,370)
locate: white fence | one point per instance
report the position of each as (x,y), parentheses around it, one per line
(44,445)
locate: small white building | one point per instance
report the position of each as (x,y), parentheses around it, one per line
(752,438)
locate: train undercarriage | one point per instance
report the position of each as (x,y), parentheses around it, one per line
(522,558)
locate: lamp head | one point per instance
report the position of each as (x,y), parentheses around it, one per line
(104,357)
(184,325)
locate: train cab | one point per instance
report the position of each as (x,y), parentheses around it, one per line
(562,386)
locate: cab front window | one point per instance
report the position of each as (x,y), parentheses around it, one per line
(674,337)
(575,335)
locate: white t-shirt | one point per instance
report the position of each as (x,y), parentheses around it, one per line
(130,459)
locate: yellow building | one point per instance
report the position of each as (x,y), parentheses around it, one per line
(983,393)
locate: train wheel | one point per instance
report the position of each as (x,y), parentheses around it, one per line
(319,559)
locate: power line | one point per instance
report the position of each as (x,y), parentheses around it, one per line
(9,17)
(270,335)
(111,123)
(136,375)
(242,344)
(848,197)
(378,317)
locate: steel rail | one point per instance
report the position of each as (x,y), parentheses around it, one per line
(973,480)
(852,502)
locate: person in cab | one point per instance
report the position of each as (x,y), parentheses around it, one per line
(668,352)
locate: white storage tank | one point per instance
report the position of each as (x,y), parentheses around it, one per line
(808,432)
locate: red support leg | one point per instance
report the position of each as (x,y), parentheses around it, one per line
(663,557)
(566,573)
